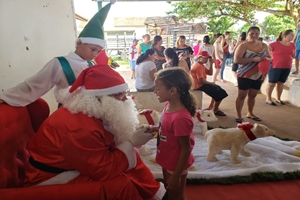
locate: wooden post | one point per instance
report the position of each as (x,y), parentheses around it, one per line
(117,44)
(125,46)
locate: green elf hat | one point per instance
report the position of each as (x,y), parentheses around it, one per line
(93,32)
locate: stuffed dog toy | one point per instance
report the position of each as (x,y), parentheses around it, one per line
(234,139)
(200,120)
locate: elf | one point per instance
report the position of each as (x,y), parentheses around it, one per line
(62,71)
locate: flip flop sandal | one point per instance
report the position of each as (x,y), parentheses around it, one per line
(271,103)
(280,102)
(255,118)
(239,120)
(220,113)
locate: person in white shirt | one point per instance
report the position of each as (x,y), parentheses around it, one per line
(144,72)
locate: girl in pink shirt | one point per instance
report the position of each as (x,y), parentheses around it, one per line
(176,140)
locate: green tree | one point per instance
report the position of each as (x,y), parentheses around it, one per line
(237,9)
(274,24)
(220,25)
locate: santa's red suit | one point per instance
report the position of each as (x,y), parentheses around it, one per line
(82,143)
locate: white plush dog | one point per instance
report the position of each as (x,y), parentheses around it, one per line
(234,139)
(200,120)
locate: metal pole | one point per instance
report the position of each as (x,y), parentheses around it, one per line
(99,2)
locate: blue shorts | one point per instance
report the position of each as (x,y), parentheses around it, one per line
(132,64)
(278,75)
(297,55)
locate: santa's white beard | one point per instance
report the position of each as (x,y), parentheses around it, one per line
(119,117)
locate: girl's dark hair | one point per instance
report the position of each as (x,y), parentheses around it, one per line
(243,36)
(283,33)
(156,39)
(206,39)
(144,56)
(171,53)
(181,80)
(253,28)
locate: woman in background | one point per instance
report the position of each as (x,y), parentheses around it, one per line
(210,49)
(144,72)
(173,60)
(282,51)
(146,44)
(235,66)
(197,47)
(184,50)
(219,56)
(159,52)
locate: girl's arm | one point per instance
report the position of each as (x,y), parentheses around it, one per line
(175,178)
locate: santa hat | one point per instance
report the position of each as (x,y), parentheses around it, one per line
(99,80)
(93,32)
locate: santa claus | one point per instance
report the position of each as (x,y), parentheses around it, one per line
(92,138)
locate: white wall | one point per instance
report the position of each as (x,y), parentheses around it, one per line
(33,32)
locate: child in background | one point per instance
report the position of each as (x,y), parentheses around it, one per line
(132,57)
(176,140)
(198,73)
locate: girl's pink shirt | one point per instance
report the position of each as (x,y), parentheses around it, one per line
(174,125)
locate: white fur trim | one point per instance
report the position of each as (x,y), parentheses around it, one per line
(96,41)
(61,178)
(112,1)
(127,148)
(160,193)
(107,91)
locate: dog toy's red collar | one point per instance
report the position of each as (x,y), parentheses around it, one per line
(247,129)
(199,117)
(147,114)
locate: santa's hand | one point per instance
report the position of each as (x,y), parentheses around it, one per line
(141,136)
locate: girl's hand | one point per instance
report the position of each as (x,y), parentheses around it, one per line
(173,182)
(1,101)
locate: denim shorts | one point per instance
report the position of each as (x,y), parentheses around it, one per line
(297,55)
(278,75)
(132,64)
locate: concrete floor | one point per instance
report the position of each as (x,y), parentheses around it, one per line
(285,120)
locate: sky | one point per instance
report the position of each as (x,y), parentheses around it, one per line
(87,8)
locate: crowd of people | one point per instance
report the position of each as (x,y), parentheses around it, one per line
(250,56)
